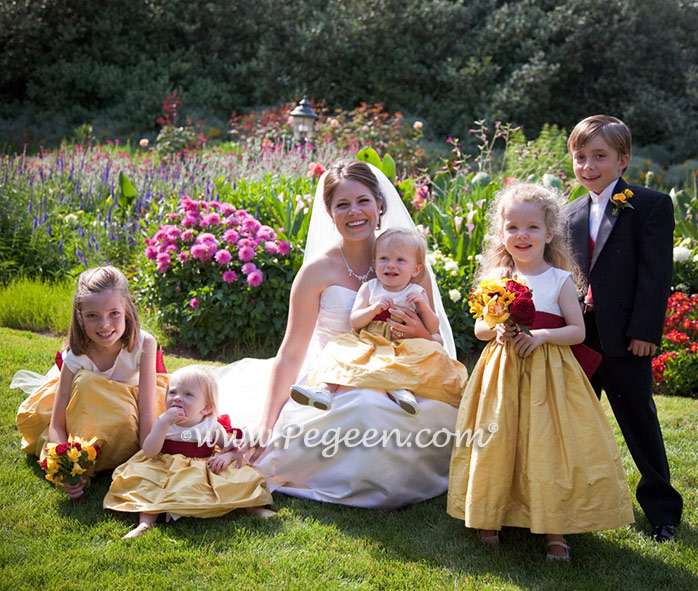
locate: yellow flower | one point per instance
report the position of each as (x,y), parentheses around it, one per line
(74,454)
(51,465)
(496,312)
(620,200)
(91,453)
(77,469)
(51,450)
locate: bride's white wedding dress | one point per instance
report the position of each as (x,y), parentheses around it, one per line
(341,455)
(365,451)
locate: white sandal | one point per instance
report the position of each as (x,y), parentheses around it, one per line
(312,396)
(553,557)
(405,399)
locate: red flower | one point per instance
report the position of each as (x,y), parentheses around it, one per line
(518,289)
(62,448)
(522,310)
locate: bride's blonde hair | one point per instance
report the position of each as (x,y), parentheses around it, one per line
(496,261)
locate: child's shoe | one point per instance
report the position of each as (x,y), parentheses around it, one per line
(405,399)
(312,396)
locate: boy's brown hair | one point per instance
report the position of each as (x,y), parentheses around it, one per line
(614,132)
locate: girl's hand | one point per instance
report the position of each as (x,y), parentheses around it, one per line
(222,460)
(505,332)
(383,304)
(408,326)
(419,300)
(174,415)
(75,491)
(524,344)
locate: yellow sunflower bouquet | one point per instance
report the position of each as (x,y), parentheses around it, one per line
(503,300)
(67,462)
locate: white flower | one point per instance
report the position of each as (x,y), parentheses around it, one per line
(454,295)
(431,259)
(71,219)
(478,259)
(681,254)
(451,265)
(695,259)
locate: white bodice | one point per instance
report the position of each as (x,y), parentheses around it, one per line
(546,289)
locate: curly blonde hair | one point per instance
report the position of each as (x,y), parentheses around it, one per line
(496,260)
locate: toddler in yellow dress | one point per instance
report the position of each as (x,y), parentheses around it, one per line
(177,471)
(375,355)
(548,459)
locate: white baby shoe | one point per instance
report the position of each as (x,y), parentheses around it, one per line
(405,399)
(312,396)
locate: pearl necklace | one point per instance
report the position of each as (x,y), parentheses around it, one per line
(362,278)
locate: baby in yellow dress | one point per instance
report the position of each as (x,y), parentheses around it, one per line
(177,471)
(375,355)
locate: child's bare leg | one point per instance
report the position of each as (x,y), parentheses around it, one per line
(261,512)
(146,521)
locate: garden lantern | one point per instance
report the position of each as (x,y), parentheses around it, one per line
(303,118)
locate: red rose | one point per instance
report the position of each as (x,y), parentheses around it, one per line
(518,289)
(97,449)
(77,446)
(62,448)
(522,311)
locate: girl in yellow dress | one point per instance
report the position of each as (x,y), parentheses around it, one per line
(370,356)
(540,453)
(177,472)
(106,385)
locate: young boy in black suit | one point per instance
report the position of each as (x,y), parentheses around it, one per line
(622,238)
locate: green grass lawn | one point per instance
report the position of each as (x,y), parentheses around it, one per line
(48,542)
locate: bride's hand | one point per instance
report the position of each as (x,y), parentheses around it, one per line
(408,324)
(258,440)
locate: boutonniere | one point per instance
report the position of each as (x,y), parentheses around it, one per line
(621,201)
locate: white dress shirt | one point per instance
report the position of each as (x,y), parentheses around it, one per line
(597,208)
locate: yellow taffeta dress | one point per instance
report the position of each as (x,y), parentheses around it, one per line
(537,450)
(369,358)
(103,404)
(182,485)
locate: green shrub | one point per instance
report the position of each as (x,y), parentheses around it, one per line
(214,275)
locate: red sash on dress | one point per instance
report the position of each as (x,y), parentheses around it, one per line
(191,449)
(587,357)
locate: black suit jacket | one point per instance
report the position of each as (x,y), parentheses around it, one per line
(631,269)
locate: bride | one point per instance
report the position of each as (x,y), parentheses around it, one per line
(365,451)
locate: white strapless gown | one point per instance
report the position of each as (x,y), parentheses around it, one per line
(365,451)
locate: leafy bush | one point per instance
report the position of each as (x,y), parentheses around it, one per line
(686,266)
(454,284)
(675,369)
(216,275)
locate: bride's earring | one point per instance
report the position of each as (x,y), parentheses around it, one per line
(380,217)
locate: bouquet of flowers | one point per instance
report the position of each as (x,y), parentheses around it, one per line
(503,300)
(66,462)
